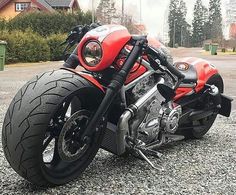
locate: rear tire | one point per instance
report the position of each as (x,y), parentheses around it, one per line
(198,133)
(27,121)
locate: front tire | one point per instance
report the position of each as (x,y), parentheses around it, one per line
(34,113)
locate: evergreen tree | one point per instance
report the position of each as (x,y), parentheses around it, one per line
(206,23)
(198,24)
(177,22)
(106,11)
(215,20)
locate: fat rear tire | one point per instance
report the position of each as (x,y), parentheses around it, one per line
(198,133)
(28,117)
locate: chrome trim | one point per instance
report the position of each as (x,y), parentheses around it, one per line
(151,93)
(146,64)
(214,90)
(190,93)
(123,130)
(133,83)
(123,124)
(188,85)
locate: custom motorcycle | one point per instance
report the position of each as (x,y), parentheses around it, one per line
(129,98)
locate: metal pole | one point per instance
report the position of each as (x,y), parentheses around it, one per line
(123,12)
(174,35)
(93,14)
(140,11)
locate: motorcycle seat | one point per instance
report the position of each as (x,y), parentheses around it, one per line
(189,72)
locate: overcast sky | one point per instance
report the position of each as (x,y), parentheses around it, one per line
(154,12)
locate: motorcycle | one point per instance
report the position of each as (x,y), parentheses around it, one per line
(128,99)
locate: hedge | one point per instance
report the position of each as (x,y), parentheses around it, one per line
(36,36)
(25,46)
(46,24)
(56,49)
(3,24)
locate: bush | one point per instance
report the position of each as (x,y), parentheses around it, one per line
(3,24)
(25,47)
(56,50)
(49,23)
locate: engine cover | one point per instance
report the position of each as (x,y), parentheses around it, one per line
(149,128)
(152,114)
(171,113)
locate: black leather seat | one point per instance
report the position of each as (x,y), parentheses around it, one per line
(188,70)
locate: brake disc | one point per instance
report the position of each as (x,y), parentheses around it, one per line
(70,147)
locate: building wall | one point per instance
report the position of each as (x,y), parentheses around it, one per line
(8,11)
(232,31)
(231,19)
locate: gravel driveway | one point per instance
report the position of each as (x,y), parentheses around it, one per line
(204,166)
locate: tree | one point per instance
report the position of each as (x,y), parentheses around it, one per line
(128,22)
(215,20)
(106,11)
(177,22)
(198,24)
(186,35)
(206,22)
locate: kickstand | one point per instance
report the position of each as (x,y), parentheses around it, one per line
(151,152)
(159,168)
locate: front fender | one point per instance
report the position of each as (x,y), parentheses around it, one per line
(88,77)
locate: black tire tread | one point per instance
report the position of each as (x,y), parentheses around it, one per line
(28,113)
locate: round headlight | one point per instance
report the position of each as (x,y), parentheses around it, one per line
(92,53)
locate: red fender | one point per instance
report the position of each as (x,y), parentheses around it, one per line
(204,71)
(88,77)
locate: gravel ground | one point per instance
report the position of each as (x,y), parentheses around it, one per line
(205,166)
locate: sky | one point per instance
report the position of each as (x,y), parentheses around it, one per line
(154,12)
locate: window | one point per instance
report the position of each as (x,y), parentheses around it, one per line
(21,6)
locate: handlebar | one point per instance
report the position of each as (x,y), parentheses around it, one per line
(78,32)
(75,36)
(163,60)
(174,71)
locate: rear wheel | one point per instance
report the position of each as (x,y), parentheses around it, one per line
(204,125)
(33,141)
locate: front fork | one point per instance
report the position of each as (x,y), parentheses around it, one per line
(112,90)
(72,61)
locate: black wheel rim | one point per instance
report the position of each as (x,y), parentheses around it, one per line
(53,165)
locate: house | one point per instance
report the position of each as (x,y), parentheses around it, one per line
(232,31)
(11,8)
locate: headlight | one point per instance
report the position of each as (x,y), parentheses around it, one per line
(92,53)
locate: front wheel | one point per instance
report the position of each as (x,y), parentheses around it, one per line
(39,128)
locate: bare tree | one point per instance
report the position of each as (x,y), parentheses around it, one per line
(106,11)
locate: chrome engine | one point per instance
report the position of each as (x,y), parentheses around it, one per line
(153,115)
(170,113)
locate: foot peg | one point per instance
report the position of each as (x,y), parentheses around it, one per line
(150,152)
(141,152)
